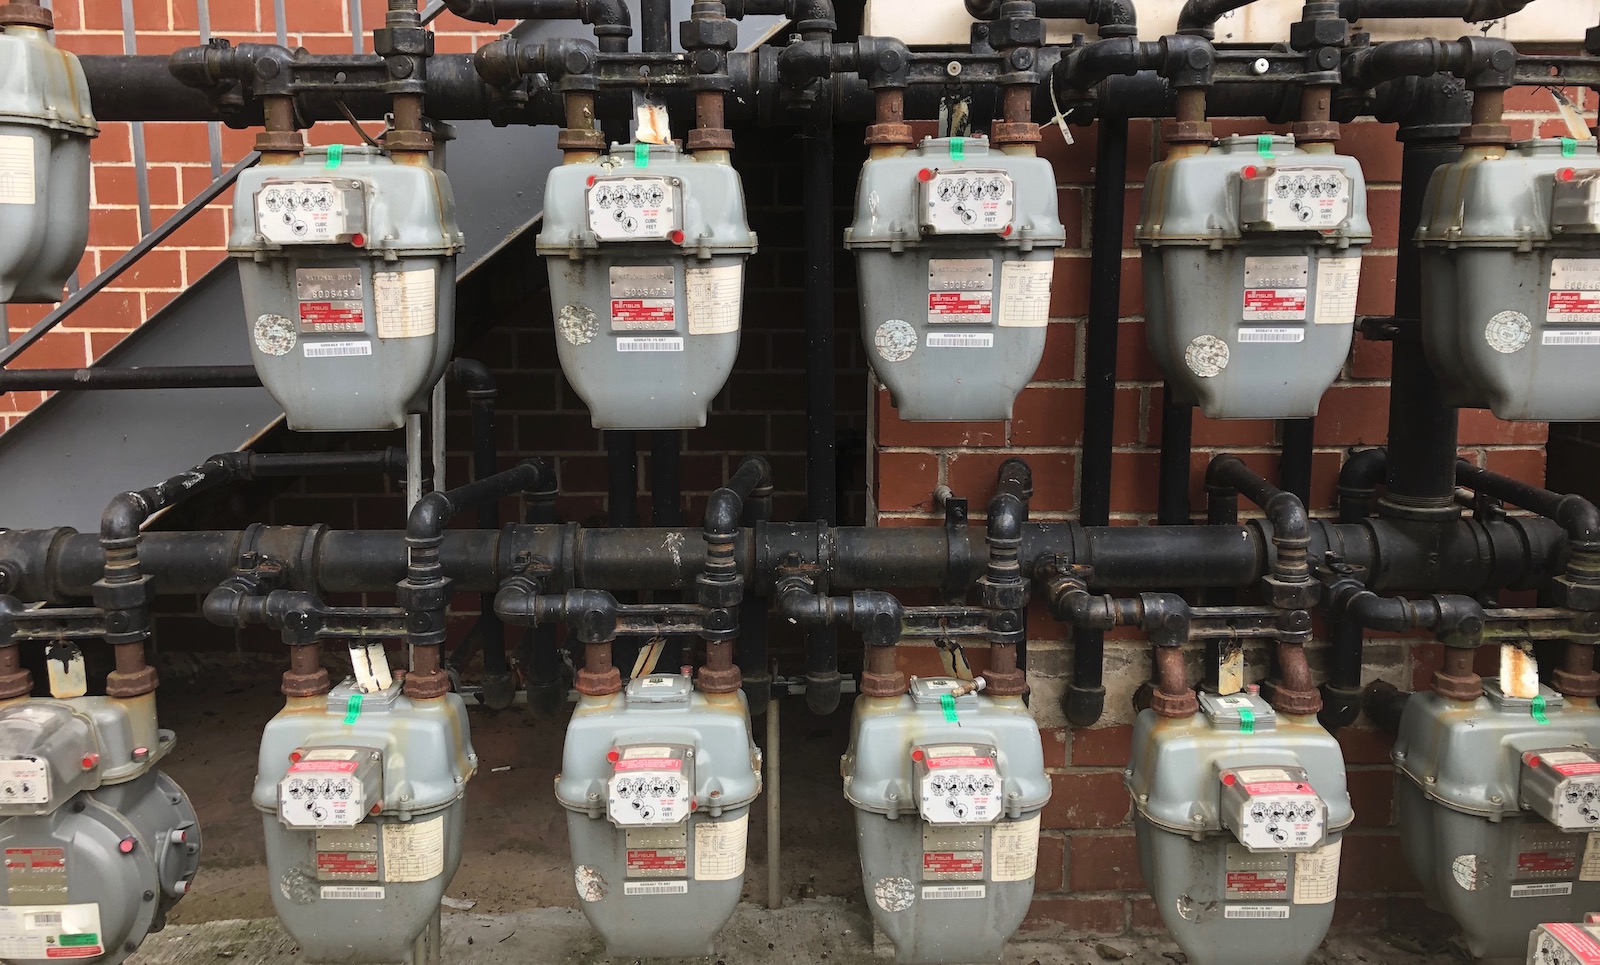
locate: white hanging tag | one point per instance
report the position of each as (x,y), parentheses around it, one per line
(1519,674)
(650,121)
(67,675)
(371,665)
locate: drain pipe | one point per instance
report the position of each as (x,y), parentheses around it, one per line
(1341,692)
(538,651)
(1177,446)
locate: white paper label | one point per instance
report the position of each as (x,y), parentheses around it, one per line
(960,340)
(1544,889)
(404,302)
(719,848)
(672,343)
(713,297)
(1574,291)
(413,850)
(1589,870)
(371,665)
(352,892)
(656,888)
(1025,293)
(1587,336)
(1015,846)
(16,170)
(949,892)
(1256,911)
(24,781)
(50,931)
(1286,335)
(334,350)
(68,678)
(1338,280)
(1316,875)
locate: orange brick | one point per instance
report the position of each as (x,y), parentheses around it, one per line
(1103,862)
(973,474)
(1087,800)
(906,481)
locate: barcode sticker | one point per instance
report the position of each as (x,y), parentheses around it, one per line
(960,340)
(352,893)
(1573,337)
(1256,911)
(656,888)
(45,919)
(333,350)
(1543,889)
(948,892)
(656,344)
(1272,335)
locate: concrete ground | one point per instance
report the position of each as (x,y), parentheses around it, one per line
(516,869)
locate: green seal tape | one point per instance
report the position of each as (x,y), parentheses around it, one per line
(1538,710)
(948,702)
(352,710)
(79,941)
(335,155)
(1569,147)
(1247,720)
(641,155)
(1264,146)
(958,149)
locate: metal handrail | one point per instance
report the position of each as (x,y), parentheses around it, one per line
(115,270)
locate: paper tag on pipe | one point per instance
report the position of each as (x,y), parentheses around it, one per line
(67,676)
(371,665)
(651,124)
(1230,668)
(1577,129)
(1519,674)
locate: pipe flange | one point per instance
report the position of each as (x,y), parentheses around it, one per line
(719,681)
(280,142)
(16,684)
(1464,687)
(1486,135)
(708,139)
(1296,703)
(306,684)
(135,684)
(1189,132)
(417,141)
(427,686)
(592,684)
(26,15)
(1314,132)
(1174,706)
(1570,684)
(575,139)
(1014,132)
(875,684)
(896,134)
(1011,683)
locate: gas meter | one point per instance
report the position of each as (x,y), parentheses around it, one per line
(347,260)
(1511,280)
(646,250)
(1252,255)
(657,781)
(1239,816)
(1496,804)
(99,845)
(362,800)
(955,248)
(45,129)
(947,785)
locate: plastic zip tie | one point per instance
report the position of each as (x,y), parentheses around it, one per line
(948,702)
(1569,147)
(1537,709)
(352,710)
(335,155)
(641,155)
(1247,720)
(958,149)
(1264,147)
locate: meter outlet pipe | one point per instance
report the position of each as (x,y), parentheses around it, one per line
(720,588)
(1003,590)
(425,592)
(1359,478)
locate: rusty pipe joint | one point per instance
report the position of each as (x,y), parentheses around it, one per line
(266,69)
(1067,594)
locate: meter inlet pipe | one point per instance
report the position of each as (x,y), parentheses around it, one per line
(877,615)
(720,588)
(611,19)
(707,37)
(1002,589)
(1016,36)
(1457,621)
(1341,692)
(1288,586)
(425,592)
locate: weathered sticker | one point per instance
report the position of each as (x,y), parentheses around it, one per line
(577,324)
(712,297)
(17,184)
(1285,335)
(69,674)
(404,302)
(1507,332)
(895,340)
(591,886)
(1014,846)
(1025,293)
(1316,875)
(1206,356)
(894,893)
(275,335)
(50,931)
(1589,870)
(1338,282)
(1470,873)
(413,850)
(719,849)
(333,350)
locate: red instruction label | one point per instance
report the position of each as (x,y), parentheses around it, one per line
(1274,304)
(346,864)
(642,314)
(325,767)
(1577,941)
(18,859)
(1545,862)
(1252,883)
(956,307)
(651,859)
(1586,767)
(1279,787)
(952,862)
(960,762)
(651,764)
(332,317)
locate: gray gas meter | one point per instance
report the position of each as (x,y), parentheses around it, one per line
(646,249)
(657,781)
(955,248)
(1239,814)
(362,800)
(947,785)
(1494,804)
(45,129)
(1511,280)
(1252,256)
(347,260)
(89,828)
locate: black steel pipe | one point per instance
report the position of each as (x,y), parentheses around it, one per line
(655,25)
(1177,439)
(1471,11)
(1113,17)
(1358,483)
(1341,693)
(1576,515)
(821,642)
(152,377)
(622,478)
(538,652)
(598,13)
(1294,464)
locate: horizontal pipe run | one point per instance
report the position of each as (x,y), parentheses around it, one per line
(152,377)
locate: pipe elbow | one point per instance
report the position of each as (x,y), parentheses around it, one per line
(1288,516)
(474,376)
(813,15)
(1579,518)
(722,513)
(1365,468)
(1220,472)
(983,9)
(428,517)
(478,11)
(514,601)
(608,13)
(1005,517)
(123,516)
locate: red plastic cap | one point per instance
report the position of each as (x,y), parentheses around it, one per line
(917,754)
(925,175)
(1249,172)
(677,237)
(613,756)
(90,761)
(1567,174)
(591,181)
(360,241)
(1229,779)
(126,845)
(1005,232)
(294,757)
(1532,759)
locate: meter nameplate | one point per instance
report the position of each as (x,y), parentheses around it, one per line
(1563,786)
(347,854)
(24,780)
(634,209)
(1295,199)
(658,852)
(309,211)
(650,785)
(330,300)
(953,853)
(1565,943)
(644,298)
(958,784)
(1547,861)
(960,291)
(1272,808)
(967,202)
(331,787)
(1275,288)
(1574,291)
(1256,877)
(35,875)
